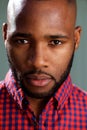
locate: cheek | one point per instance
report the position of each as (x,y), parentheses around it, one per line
(60,63)
(16,57)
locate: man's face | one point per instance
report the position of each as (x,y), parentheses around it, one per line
(40,45)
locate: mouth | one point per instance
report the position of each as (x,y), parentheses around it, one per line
(38,80)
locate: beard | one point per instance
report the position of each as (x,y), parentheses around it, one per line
(51,92)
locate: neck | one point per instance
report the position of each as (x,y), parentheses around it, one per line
(37,105)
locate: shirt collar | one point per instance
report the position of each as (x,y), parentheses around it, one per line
(63,92)
(14,89)
(18,95)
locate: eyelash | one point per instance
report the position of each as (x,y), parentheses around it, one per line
(22,41)
(25,41)
(55,42)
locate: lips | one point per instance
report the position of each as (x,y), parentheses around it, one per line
(38,80)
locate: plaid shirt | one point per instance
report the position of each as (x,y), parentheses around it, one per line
(66,110)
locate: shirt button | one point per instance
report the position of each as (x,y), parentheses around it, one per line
(45,124)
(35,123)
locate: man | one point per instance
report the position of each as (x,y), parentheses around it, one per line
(37,94)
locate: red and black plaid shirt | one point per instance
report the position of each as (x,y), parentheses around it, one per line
(66,110)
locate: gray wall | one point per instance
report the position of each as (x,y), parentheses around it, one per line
(79,69)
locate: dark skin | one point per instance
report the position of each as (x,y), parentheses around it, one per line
(40,43)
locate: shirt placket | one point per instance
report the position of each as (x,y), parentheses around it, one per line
(32,122)
(48,117)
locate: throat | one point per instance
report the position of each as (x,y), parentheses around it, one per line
(37,106)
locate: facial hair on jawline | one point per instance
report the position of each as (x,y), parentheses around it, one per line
(45,94)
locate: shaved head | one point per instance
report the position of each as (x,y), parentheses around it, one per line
(15,7)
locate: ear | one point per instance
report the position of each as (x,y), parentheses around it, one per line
(4,31)
(77,35)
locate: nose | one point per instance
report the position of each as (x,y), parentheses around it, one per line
(38,57)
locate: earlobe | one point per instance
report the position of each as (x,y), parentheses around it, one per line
(77,36)
(4,31)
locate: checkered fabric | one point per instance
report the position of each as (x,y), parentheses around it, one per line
(66,110)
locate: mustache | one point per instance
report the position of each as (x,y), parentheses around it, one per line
(38,72)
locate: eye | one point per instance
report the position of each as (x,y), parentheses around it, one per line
(55,42)
(21,41)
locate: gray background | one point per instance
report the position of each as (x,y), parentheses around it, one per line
(79,69)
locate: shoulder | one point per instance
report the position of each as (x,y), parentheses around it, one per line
(2,85)
(5,97)
(79,92)
(3,89)
(79,96)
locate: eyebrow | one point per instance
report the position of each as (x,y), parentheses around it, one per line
(21,35)
(57,36)
(27,35)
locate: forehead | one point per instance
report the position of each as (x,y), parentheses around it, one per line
(51,12)
(17,6)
